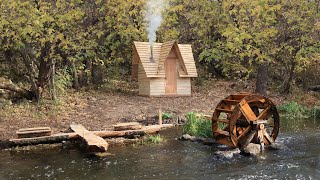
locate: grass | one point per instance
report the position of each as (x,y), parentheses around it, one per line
(293,110)
(166,115)
(153,139)
(197,126)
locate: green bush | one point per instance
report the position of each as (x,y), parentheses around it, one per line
(63,80)
(294,110)
(197,126)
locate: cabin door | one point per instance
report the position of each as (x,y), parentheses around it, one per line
(171,76)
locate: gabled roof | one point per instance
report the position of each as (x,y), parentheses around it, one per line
(160,54)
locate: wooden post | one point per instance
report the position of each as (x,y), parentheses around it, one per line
(160,117)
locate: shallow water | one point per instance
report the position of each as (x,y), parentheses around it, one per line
(174,159)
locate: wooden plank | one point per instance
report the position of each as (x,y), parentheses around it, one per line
(34,132)
(220,132)
(247,111)
(94,142)
(239,96)
(127,126)
(171,76)
(231,102)
(224,110)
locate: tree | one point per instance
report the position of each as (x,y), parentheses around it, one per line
(298,39)
(40,33)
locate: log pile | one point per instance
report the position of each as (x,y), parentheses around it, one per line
(60,137)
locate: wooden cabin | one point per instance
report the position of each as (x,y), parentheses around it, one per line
(171,72)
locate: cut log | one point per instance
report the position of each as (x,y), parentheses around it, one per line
(57,138)
(94,142)
(34,132)
(127,126)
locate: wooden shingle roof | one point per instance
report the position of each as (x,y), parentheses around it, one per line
(160,53)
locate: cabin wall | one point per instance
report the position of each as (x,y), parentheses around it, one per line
(144,82)
(135,65)
(157,86)
(184,86)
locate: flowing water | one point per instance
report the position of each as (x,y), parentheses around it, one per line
(174,159)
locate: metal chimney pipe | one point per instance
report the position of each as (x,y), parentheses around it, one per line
(151,56)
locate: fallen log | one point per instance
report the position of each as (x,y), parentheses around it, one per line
(314,88)
(57,138)
(127,126)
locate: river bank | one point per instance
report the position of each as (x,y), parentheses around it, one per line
(99,110)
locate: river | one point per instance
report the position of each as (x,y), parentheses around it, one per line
(174,159)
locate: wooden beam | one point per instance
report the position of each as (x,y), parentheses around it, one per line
(94,142)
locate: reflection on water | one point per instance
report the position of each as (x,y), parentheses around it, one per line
(175,159)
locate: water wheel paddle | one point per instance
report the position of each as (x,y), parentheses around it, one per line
(245,118)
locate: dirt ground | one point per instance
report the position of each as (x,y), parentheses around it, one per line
(99,110)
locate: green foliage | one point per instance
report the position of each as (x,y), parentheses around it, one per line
(229,38)
(293,110)
(154,139)
(315,112)
(167,115)
(63,81)
(197,126)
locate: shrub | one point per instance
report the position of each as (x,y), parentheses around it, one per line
(166,115)
(197,126)
(294,110)
(155,139)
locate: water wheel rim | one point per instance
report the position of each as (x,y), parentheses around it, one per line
(238,112)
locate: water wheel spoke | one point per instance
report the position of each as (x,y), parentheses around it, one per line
(247,111)
(265,113)
(267,137)
(246,139)
(244,132)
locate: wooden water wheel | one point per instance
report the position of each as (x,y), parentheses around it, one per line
(245,118)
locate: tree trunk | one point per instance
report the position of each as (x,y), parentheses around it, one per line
(97,73)
(262,79)
(45,70)
(75,76)
(287,85)
(53,87)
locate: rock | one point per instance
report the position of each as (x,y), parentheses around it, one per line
(187,137)
(228,154)
(252,149)
(277,146)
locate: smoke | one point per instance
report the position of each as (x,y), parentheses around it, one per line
(153,17)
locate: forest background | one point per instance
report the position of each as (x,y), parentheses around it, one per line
(48,47)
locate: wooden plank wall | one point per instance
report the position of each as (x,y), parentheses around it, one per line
(157,86)
(184,86)
(144,82)
(135,65)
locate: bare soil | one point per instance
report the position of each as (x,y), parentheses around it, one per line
(99,110)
